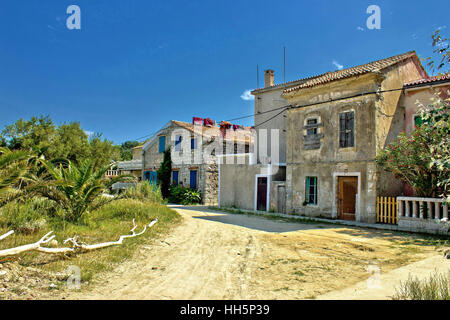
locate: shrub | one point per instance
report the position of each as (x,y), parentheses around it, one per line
(436,287)
(186,196)
(126,209)
(26,217)
(75,188)
(144,191)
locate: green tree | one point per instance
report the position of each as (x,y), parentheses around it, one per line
(70,142)
(423,159)
(33,133)
(441,46)
(102,152)
(67,141)
(164,172)
(126,152)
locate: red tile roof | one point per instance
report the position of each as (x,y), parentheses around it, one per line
(241,134)
(431,80)
(374,66)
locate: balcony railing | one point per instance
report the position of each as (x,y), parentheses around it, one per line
(422,208)
(112,173)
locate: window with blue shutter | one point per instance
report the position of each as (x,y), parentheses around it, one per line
(193,143)
(162,144)
(311,190)
(178,140)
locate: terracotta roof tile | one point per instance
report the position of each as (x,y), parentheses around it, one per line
(441,78)
(374,66)
(214,131)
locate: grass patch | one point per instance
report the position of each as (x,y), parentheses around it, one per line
(436,287)
(105,224)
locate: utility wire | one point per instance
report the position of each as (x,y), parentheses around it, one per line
(284,108)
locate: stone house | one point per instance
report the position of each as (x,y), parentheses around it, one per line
(335,124)
(257,181)
(417,93)
(131,167)
(195,149)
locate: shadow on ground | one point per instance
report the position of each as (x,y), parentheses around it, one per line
(252,222)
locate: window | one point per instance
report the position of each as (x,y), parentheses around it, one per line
(311,139)
(162,144)
(311,190)
(193,143)
(313,130)
(417,121)
(346,129)
(178,142)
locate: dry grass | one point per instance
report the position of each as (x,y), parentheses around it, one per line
(312,262)
(106,224)
(436,287)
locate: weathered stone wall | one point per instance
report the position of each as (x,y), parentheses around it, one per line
(378,120)
(421,225)
(237,184)
(211,186)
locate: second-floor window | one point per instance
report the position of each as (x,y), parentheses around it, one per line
(162,144)
(178,142)
(312,130)
(311,140)
(346,129)
(193,143)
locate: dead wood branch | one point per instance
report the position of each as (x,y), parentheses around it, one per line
(86,247)
(76,245)
(6,234)
(34,247)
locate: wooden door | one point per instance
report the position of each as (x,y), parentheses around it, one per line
(348,189)
(193,179)
(261,196)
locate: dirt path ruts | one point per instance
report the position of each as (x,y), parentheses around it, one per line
(226,256)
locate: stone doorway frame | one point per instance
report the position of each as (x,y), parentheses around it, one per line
(336,175)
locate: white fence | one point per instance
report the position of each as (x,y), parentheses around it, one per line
(422,215)
(422,208)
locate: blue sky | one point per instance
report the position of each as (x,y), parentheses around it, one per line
(136,64)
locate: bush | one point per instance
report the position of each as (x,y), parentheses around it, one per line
(127,209)
(436,287)
(26,217)
(186,196)
(144,191)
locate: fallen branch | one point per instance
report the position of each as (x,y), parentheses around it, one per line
(85,247)
(6,234)
(34,246)
(76,245)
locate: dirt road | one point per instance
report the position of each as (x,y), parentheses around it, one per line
(215,255)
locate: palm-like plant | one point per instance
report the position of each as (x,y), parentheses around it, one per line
(77,189)
(13,166)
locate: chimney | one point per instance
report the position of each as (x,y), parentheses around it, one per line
(269,76)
